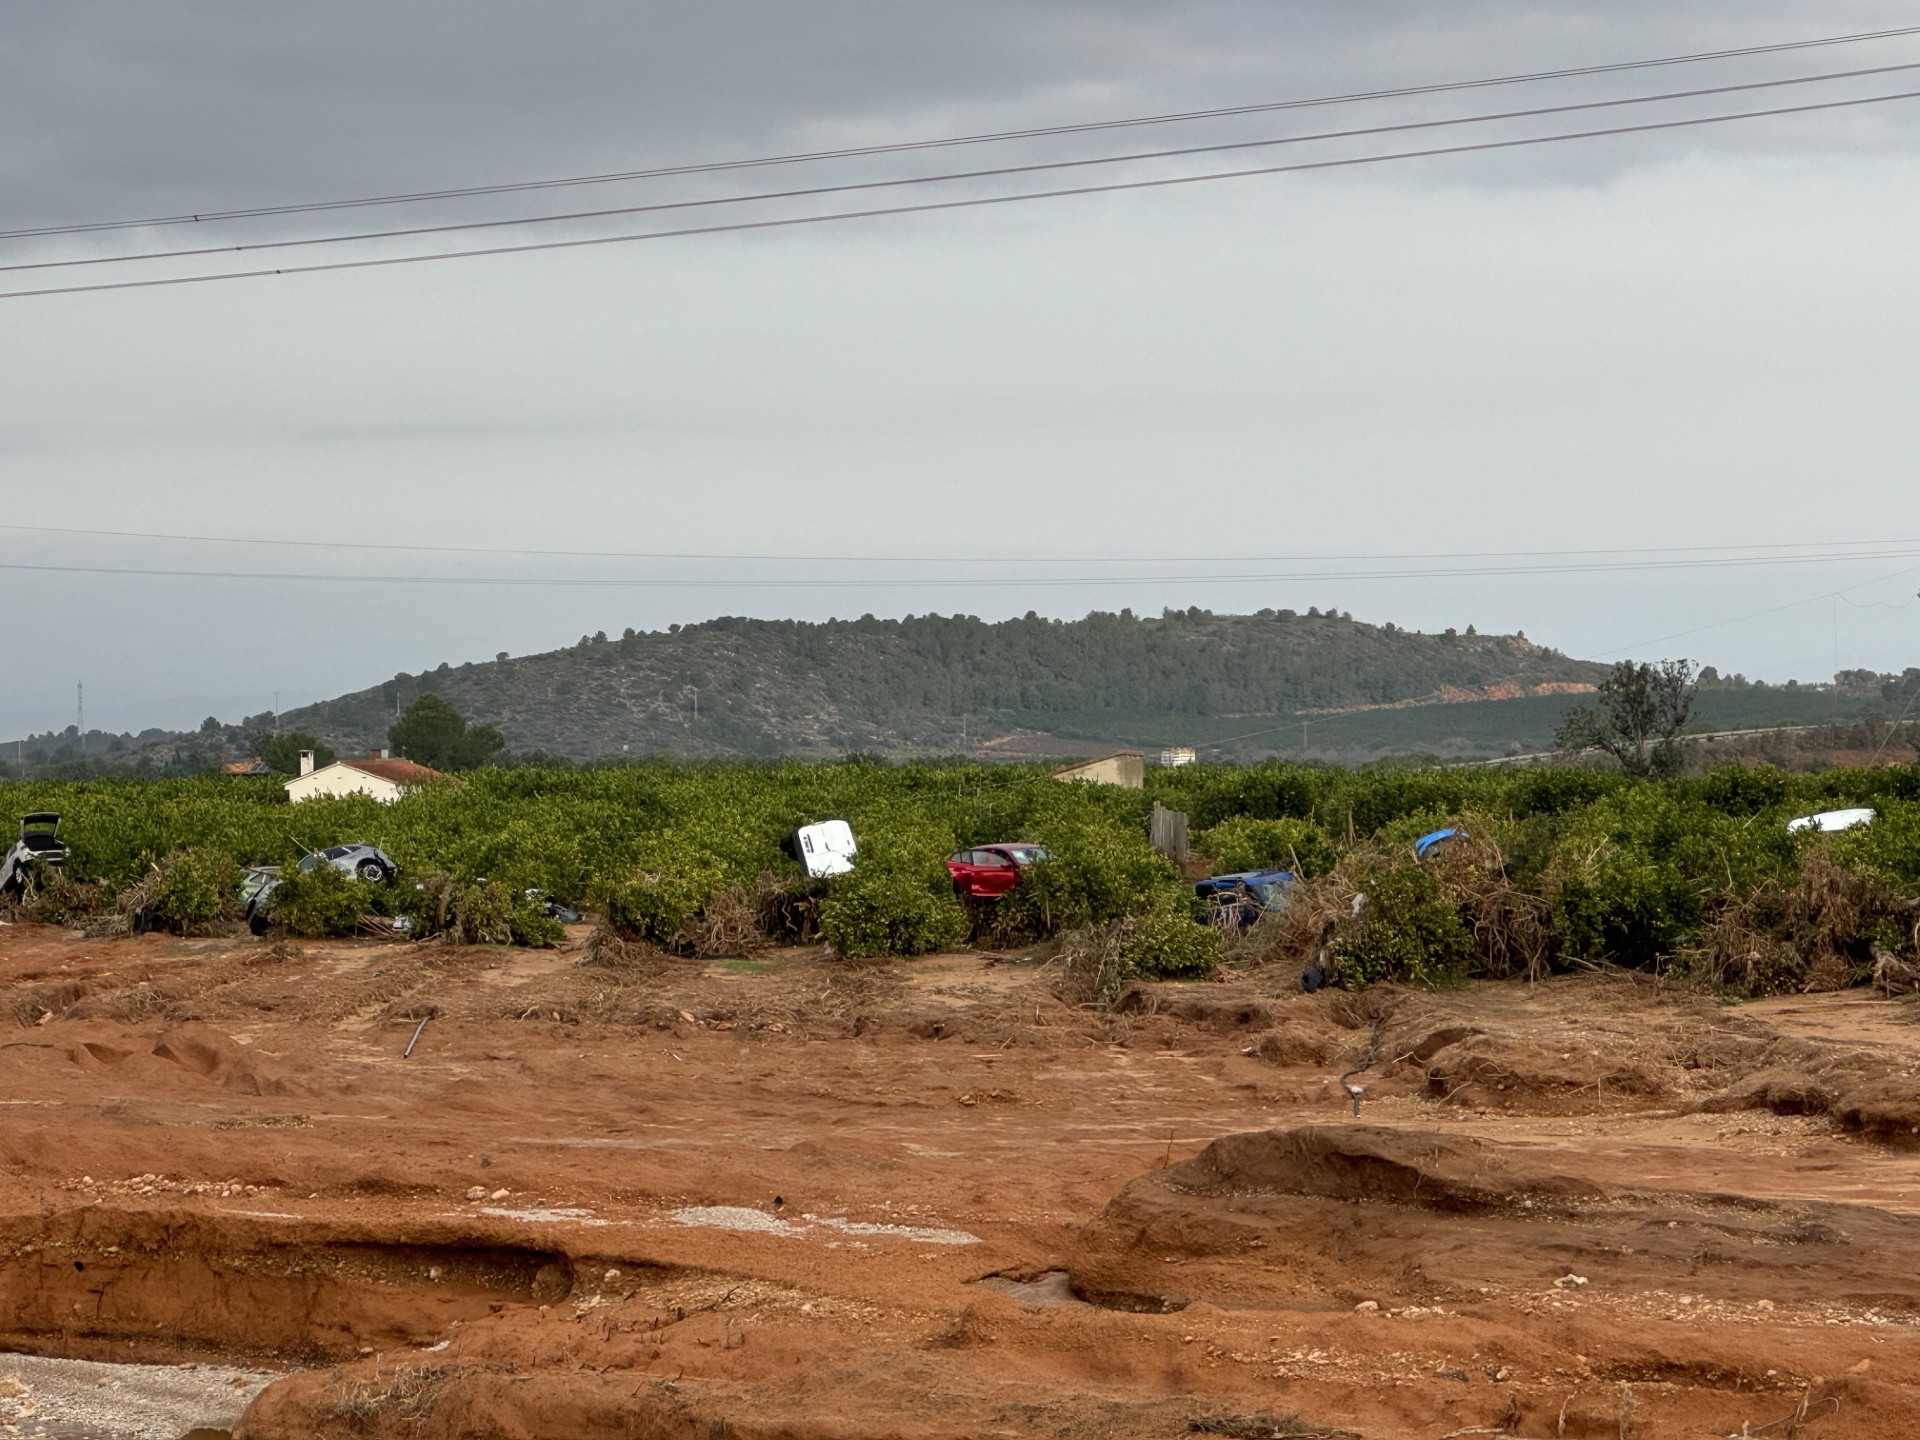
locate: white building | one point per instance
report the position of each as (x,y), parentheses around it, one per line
(1121,767)
(379,775)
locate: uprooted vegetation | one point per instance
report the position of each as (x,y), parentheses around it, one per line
(1511,899)
(1696,878)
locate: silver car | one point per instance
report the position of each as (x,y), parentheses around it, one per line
(258,882)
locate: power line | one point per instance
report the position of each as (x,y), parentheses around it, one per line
(990,137)
(837,582)
(968,203)
(1758,614)
(991,173)
(416,547)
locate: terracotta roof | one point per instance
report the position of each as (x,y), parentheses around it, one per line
(394,772)
(246,767)
(399,772)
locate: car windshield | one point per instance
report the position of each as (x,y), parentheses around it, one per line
(1272,891)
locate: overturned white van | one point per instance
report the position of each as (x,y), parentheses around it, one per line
(824,848)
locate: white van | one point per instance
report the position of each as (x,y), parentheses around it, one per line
(825,848)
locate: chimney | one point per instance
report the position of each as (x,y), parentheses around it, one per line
(306,762)
(379,754)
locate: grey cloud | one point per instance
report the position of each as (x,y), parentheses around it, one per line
(1592,342)
(138,108)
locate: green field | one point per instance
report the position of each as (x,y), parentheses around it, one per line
(1478,728)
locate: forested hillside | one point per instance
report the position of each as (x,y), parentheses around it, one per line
(940,683)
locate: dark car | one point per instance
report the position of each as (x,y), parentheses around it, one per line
(1242,898)
(988,871)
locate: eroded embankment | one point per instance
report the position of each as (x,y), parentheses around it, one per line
(1335,1215)
(96,1282)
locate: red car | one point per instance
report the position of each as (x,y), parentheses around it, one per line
(987,871)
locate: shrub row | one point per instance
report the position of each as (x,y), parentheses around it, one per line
(1566,867)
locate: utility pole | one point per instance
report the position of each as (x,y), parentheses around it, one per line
(80,713)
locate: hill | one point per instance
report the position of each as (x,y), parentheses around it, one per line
(943,684)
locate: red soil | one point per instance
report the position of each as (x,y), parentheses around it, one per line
(1586,1209)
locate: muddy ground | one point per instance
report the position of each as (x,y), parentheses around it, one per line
(788,1197)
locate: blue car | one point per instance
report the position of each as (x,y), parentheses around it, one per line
(1242,898)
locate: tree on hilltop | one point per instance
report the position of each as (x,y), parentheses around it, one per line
(433,733)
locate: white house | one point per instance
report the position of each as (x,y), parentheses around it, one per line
(379,775)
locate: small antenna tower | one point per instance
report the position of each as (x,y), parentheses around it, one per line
(80,713)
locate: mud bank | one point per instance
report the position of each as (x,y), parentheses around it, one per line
(924,1200)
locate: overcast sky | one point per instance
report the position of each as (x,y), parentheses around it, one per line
(1698,337)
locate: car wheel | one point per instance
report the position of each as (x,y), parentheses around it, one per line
(371,871)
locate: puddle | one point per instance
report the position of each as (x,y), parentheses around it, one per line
(1055,1287)
(89,1400)
(736,1217)
(572,1213)
(1052,1288)
(741,1217)
(925,1234)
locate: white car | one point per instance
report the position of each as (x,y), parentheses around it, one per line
(1832,822)
(40,846)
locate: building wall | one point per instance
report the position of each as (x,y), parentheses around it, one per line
(1123,767)
(340,779)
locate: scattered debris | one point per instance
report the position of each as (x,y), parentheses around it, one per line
(408,1052)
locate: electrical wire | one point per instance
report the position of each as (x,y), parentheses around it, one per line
(999,172)
(1757,614)
(990,137)
(416,547)
(1051,581)
(967,203)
